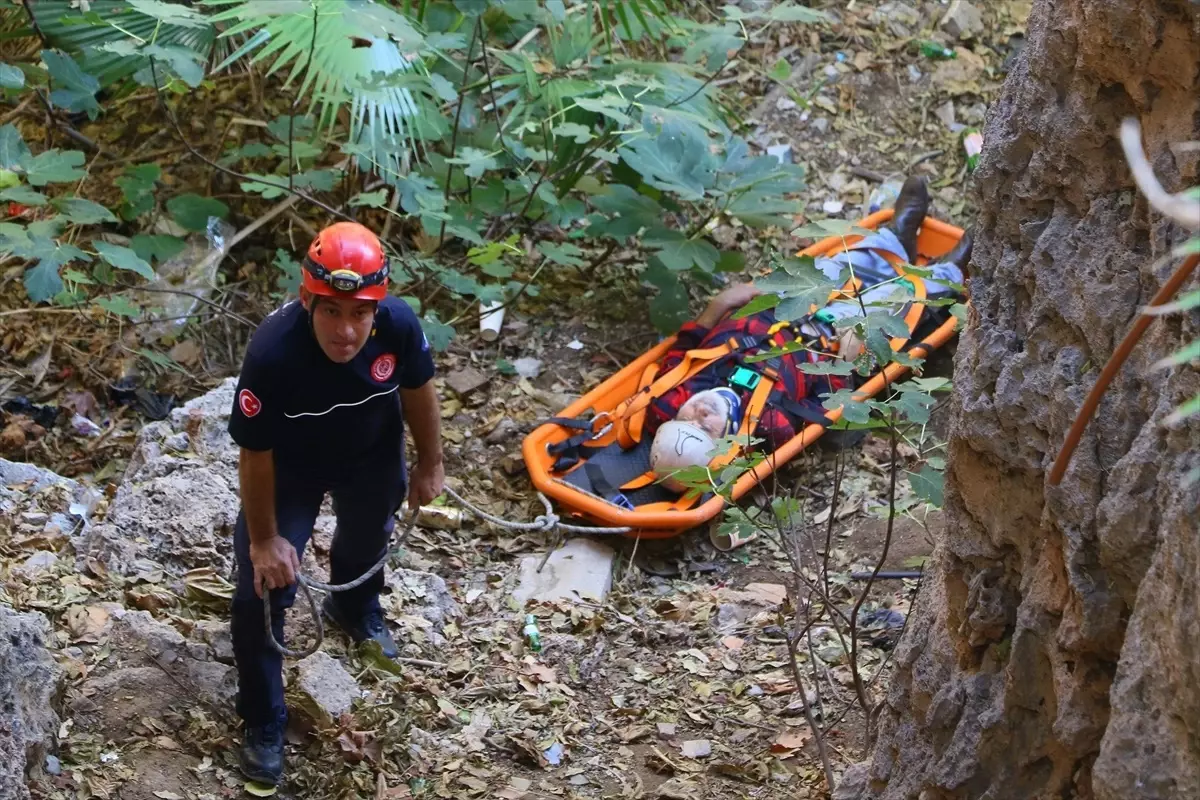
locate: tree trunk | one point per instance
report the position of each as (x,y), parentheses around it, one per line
(1055,652)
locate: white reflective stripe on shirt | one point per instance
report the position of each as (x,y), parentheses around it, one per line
(340,405)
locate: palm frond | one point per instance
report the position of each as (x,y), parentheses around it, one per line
(66,27)
(357,59)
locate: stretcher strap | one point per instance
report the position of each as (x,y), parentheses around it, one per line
(630,415)
(750,421)
(749,424)
(799,410)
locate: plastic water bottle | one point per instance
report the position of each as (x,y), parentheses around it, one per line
(531,633)
(884,195)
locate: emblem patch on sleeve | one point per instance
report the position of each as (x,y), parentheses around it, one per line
(383,367)
(249,404)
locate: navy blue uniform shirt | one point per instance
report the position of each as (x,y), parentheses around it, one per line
(324,419)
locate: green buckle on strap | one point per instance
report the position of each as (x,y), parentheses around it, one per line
(825,315)
(745,379)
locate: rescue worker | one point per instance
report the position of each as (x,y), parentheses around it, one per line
(326,387)
(687,420)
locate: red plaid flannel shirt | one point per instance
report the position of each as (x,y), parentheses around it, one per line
(775,426)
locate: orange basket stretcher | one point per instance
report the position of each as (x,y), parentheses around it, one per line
(663,517)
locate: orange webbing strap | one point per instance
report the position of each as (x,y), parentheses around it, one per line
(849,289)
(750,420)
(645,479)
(648,375)
(630,415)
(632,426)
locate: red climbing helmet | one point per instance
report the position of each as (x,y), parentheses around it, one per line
(346,260)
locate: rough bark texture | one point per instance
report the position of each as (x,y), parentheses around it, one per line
(1057,650)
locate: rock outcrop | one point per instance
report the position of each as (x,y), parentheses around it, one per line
(29,687)
(1055,650)
(178,501)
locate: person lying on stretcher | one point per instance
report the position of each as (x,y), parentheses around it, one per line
(686,420)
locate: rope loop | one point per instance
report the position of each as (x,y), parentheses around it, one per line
(547,522)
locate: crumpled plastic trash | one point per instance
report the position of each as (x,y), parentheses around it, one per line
(151,404)
(881,628)
(42,415)
(85,427)
(190,275)
(554,754)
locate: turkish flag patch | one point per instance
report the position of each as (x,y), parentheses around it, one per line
(249,404)
(383,367)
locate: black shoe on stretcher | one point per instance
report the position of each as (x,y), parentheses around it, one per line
(370,627)
(961,254)
(912,204)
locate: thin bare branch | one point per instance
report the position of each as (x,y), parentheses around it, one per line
(822,750)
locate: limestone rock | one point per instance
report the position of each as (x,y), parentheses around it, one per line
(177,508)
(216,634)
(853,784)
(137,639)
(423,597)
(960,75)
(431,746)
(962,20)
(183,520)
(29,688)
(579,569)
(466,380)
(323,531)
(505,429)
(203,423)
(900,20)
(38,564)
(29,478)
(327,684)
(424,594)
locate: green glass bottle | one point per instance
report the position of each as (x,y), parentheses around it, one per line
(532,635)
(931,49)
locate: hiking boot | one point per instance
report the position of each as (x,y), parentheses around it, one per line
(911,206)
(370,626)
(961,254)
(262,752)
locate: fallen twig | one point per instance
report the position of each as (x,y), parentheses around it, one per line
(16,112)
(225,311)
(868,174)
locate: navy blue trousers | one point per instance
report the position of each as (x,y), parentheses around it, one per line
(365,507)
